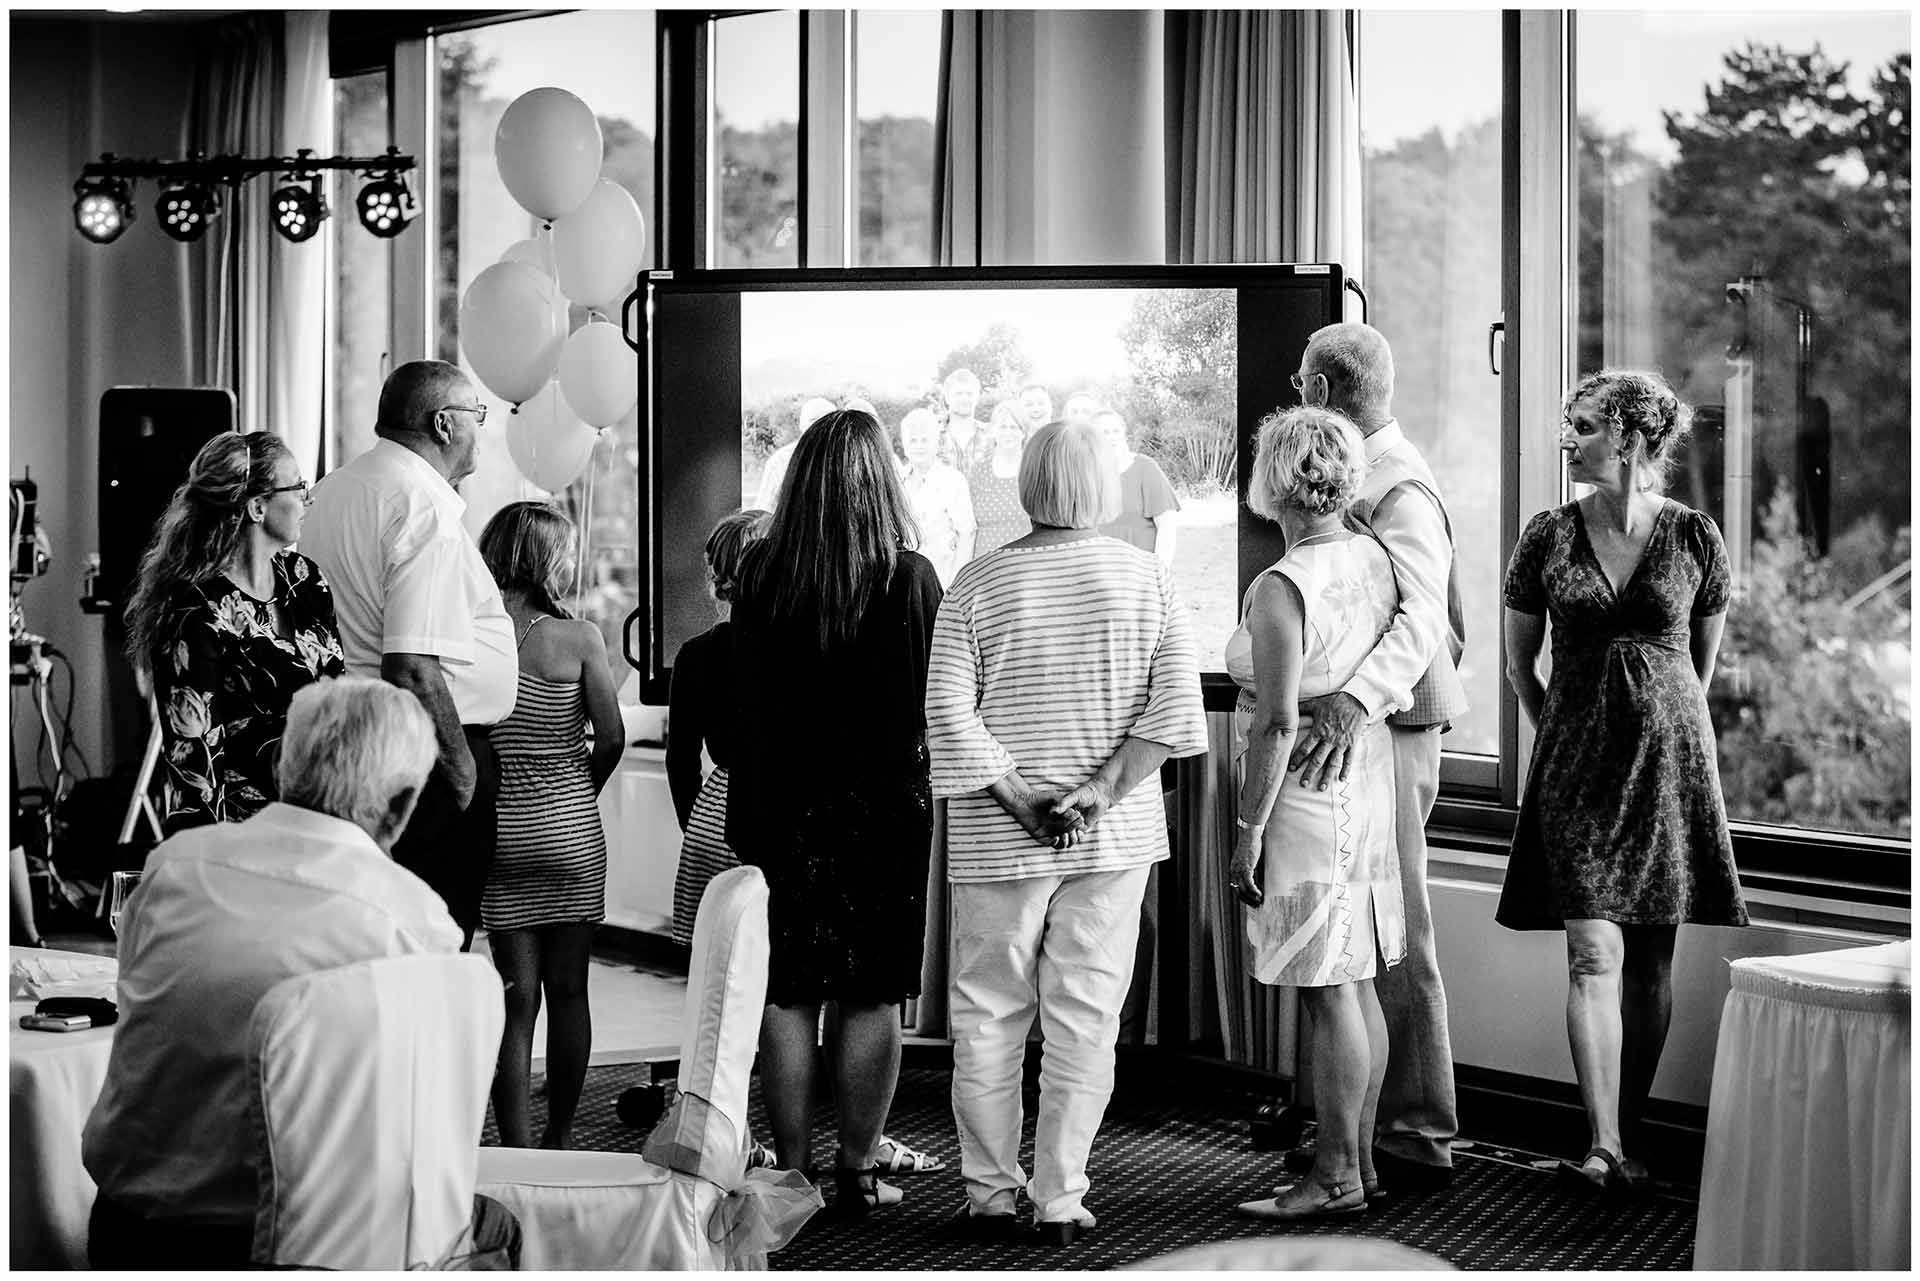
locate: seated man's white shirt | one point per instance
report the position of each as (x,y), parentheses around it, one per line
(407,579)
(223,914)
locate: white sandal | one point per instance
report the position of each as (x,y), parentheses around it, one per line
(894,1158)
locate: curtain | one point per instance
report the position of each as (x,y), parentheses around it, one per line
(1262,137)
(1262,165)
(1047,137)
(254,300)
(956,142)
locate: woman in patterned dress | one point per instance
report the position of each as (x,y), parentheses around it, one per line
(994,483)
(547,887)
(1622,834)
(1318,868)
(227,623)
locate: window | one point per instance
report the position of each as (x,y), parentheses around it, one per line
(362,304)
(1430,137)
(755,128)
(1752,243)
(606,58)
(897,80)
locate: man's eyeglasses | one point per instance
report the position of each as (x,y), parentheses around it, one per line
(1299,382)
(479,412)
(300,487)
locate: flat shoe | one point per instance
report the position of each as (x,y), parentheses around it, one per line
(1612,1179)
(981,1227)
(1327,1207)
(1061,1232)
(859,1192)
(894,1158)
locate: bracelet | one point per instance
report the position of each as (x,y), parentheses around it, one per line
(1245,826)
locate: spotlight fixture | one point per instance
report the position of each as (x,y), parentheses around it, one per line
(190,192)
(102,208)
(185,209)
(385,204)
(298,207)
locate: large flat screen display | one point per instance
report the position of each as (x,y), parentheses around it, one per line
(1176,366)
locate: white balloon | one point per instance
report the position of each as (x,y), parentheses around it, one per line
(510,330)
(598,248)
(549,149)
(548,442)
(599,373)
(532,251)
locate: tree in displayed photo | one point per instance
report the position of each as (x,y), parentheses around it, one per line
(998,358)
(1182,345)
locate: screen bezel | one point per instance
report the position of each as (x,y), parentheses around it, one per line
(1262,386)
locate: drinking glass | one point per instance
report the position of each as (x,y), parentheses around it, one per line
(118,891)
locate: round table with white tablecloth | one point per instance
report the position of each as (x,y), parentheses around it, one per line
(53,1080)
(1809,1151)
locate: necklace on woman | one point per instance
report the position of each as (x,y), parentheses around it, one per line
(1332,535)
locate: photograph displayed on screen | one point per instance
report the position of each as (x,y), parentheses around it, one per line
(959,379)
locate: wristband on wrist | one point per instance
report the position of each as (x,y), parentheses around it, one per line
(1245,826)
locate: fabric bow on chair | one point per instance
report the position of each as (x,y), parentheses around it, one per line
(688,1202)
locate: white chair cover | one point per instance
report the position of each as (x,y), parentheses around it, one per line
(1809,1160)
(370,1090)
(704,1133)
(688,1203)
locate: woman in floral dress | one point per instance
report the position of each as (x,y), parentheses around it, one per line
(1622,836)
(227,623)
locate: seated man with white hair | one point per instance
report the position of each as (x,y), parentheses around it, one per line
(222,915)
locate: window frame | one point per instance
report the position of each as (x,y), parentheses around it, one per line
(1538,285)
(1477,808)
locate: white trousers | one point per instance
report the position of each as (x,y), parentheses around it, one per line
(1062,946)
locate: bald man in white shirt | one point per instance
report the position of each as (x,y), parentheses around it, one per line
(417,607)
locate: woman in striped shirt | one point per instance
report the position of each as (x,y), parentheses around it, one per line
(1062,673)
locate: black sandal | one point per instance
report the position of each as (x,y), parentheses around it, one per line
(859,1192)
(1613,1180)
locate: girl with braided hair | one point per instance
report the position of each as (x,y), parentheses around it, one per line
(227,622)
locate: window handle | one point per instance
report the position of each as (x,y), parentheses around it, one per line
(626,640)
(1496,345)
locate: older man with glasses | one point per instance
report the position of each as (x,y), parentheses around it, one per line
(418,608)
(1411,674)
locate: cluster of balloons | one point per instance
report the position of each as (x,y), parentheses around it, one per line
(566,387)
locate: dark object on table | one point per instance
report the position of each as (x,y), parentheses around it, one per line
(102,1011)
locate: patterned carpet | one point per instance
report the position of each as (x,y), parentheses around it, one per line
(1166,1173)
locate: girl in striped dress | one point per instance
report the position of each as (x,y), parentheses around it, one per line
(547,888)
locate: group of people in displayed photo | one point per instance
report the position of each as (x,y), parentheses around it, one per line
(960,473)
(395,737)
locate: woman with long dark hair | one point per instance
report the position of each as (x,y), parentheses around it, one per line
(227,623)
(829,796)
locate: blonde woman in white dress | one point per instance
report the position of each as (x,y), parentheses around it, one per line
(1317,867)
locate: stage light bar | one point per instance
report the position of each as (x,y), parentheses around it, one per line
(190,193)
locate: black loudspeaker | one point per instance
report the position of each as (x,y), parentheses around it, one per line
(148,437)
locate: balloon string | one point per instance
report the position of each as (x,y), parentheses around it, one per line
(585,532)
